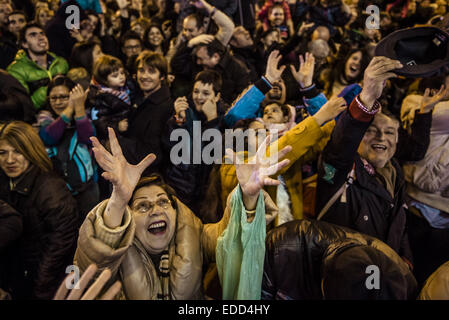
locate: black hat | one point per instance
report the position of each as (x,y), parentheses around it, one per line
(347,269)
(423,51)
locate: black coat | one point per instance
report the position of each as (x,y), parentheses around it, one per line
(23,109)
(296,252)
(10,231)
(191,180)
(49,234)
(369,207)
(110,111)
(145,127)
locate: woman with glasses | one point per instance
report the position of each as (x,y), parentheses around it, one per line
(151,241)
(48,211)
(65,130)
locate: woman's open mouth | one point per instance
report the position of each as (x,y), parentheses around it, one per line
(157,227)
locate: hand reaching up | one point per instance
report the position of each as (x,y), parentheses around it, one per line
(273,73)
(431,99)
(304,76)
(123,176)
(255,174)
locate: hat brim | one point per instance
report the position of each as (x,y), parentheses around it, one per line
(386,47)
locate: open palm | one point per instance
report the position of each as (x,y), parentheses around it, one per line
(255,174)
(123,175)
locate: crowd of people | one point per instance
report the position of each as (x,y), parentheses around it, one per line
(348,167)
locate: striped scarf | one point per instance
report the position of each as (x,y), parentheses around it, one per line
(121,94)
(164,269)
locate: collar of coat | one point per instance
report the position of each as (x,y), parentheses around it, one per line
(24,183)
(368,181)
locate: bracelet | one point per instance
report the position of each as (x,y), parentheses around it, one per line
(267,81)
(307,88)
(374,110)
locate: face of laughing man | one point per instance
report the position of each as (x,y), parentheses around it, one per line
(379,142)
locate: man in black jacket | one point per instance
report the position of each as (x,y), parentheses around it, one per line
(360,184)
(314,260)
(235,75)
(152,109)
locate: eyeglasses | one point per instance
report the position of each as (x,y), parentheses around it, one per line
(63,98)
(148,207)
(136,47)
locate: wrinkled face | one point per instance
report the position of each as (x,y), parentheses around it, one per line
(201,93)
(242,38)
(203,58)
(190,29)
(36,41)
(16,23)
(155,218)
(59,99)
(379,142)
(12,162)
(273,114)
(271,38)
(276,17)
(116,79)
(155,37)
(353,65)
(5,11)
(148,78)
(96,53)
(132,47)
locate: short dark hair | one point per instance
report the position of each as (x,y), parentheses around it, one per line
(29,25)
(130,35)
(214,47)
(82,55)
(286,112)
(153,60)
(60,80)
(156,180)
(210,77)
(106,65)
(10,106)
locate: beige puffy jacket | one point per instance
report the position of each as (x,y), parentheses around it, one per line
(428,179)
(118,250)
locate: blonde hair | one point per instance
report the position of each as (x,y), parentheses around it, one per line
(22,137)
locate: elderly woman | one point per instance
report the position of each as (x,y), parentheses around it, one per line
(149,239)
(48,212)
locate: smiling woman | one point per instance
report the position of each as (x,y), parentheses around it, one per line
(151,241)
(49,213)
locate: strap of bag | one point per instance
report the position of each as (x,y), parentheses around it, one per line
(349,180)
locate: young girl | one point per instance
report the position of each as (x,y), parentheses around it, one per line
(109,96)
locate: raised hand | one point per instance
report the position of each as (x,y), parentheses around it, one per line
(123,4)
(304,27)
(209,108)
(304,76)
(123,175)
(255,174)
(273,73)
(375,77)
(77,99)
(330,110)
(181,105)
(429,101)
(93,290)
(201,39)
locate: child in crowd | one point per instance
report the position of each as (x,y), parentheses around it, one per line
(109,96)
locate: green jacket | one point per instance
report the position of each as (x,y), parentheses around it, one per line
(35,78)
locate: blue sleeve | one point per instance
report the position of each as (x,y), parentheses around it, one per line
(246,107)
(98,7)
(314,104)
